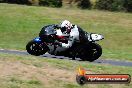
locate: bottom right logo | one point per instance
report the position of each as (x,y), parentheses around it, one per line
(83,78)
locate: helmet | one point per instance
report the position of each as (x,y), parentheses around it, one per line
(65,26)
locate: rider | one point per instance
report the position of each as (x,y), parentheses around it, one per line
(75,34)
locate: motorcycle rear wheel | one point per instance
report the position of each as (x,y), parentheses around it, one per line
(91,52)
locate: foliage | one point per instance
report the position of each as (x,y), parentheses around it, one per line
(114,5)
(128,5)
(84,4)
(52,3)
(17,1)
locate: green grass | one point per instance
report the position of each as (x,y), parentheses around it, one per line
(23,77)
(20,23)
(16,82)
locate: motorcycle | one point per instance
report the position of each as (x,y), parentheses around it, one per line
(87,50)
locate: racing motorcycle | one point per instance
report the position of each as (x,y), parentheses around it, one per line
(87,50)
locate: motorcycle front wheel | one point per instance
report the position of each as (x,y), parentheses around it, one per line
(35,48)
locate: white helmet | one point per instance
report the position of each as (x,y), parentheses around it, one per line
(65,26)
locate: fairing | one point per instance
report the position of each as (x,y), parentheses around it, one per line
(96,37)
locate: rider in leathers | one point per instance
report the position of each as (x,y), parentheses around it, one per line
(75,34)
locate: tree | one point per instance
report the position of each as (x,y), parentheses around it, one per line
(52,3)
(128,5)
(114,5)
(84,4)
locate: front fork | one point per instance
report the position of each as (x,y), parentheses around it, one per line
(41,43)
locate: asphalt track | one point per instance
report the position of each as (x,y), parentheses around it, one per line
(99,61)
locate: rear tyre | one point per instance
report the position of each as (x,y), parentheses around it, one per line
(91,52)
(95,52)
(35,48)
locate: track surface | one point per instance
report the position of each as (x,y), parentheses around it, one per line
(100,61)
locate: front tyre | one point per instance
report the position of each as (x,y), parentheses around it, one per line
(34,48)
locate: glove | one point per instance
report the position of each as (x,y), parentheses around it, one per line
(58,43)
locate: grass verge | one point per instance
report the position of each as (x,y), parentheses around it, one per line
(37,72)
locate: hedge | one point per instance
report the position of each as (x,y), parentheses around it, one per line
(114,5)
(52,3)
(84,4)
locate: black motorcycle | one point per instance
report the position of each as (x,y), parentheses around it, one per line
(86,49)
